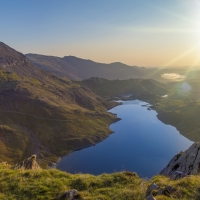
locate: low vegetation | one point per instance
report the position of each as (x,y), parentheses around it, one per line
(53,184)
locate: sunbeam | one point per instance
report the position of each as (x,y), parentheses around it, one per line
(181,56)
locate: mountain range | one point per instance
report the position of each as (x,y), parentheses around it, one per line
(78,69)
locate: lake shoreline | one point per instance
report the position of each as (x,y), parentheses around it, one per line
(148,104)
(83,156)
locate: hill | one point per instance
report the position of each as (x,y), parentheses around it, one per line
(44,114)
(189,88)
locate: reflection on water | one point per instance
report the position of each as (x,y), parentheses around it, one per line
(141,143)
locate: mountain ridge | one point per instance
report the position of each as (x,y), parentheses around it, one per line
(78,68)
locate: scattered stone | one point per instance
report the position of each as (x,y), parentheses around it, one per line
(184,164)
(70,194)
(29,163)
(169,190)
(160,191)
(150,197)
(151,188)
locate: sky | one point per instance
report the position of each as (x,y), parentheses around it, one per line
(150,33)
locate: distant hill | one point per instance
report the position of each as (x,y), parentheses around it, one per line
(135,87)
(189,88)
(77,68)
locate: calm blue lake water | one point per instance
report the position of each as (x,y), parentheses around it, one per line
(141,143)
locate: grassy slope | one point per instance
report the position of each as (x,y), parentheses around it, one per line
(52,184)
(184,115)
(179,89)
(62,115)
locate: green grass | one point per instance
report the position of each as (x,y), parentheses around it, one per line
(52,184)
(183,114)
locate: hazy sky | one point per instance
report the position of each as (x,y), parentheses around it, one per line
(136,32)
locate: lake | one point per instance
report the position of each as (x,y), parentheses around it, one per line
(141,143)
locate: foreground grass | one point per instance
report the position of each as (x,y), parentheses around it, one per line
(186,188)
(52,184)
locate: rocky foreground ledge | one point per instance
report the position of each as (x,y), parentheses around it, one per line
(184,163)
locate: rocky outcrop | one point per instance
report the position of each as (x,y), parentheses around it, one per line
(150,197)
(29,163)
(184,163)
(156,190)
(71,194)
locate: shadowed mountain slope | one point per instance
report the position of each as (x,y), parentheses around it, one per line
(45,114)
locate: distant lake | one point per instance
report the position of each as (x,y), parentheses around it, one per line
(141,143)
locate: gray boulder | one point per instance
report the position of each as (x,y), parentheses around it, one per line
(150,197)
(70,194)
(151,188)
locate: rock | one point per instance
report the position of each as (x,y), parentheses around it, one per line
(160,191)
(178,175)
(29,163)
(184,163)
(168,190)
(150,197)
(4,165)
(152,187)
(70,194)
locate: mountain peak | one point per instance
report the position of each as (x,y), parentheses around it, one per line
(10,57)
(14,61)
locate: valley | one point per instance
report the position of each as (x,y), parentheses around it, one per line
(50,116)
(41,109)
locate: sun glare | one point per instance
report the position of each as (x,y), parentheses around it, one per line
(186,87)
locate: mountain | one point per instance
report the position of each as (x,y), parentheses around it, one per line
(45,114)
(13,61)
(77,68)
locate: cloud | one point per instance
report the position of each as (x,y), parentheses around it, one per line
(172,76)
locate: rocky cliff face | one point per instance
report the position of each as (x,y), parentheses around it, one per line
(184,163)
